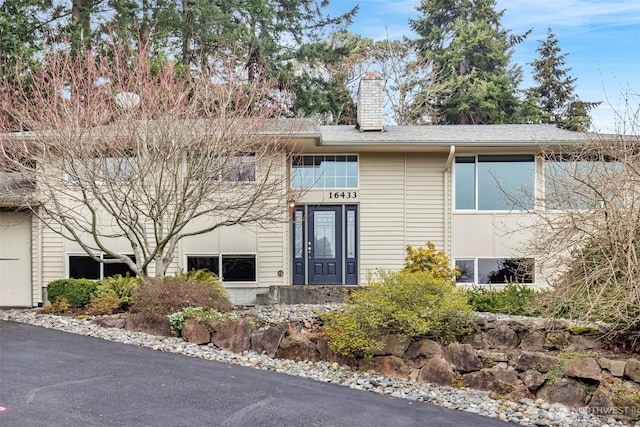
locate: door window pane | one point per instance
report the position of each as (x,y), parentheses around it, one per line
(324,233)
(298,235)
(351,234)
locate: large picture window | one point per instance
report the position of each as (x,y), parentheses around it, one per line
(494,182)
(319,172)
(495,271)
(234,267)
(580,181)
(85,267)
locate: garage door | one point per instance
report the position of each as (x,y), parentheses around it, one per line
(15,259)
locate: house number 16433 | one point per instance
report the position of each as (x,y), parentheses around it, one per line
(343,195)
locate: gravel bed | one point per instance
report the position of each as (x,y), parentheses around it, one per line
(523,412)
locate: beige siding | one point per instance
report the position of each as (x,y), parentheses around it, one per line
(53,256)
(382,212)
(273,255)
(36,262)
(425,199)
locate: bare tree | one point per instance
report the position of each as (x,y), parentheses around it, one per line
(128,147)
(587,237)
(410,83)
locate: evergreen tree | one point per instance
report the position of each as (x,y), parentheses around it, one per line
(554,94)
(471,53)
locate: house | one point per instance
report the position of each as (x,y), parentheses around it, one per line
(370,190)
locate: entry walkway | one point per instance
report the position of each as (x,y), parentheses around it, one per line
(52,378)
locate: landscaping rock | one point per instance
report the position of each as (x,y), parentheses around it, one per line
(386,365)
(632,369)
(233,336)
(565,390)
(437,371)
(583,342)
(583,367)
(536,361)
(195,332)
(615,367)
(475,340)
(616,396)
(326,353)
(110,322)
(556,340)
(297,346)
(423,349)
(533,341)
(532,379)
(138,322)
(504,383)
(393,345)
(267,341)
(502,338)
(462,357)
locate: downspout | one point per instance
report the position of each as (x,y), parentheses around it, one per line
(448,234)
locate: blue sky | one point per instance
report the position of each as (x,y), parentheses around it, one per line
(602,38)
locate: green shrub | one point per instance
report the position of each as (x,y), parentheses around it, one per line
(513,299)
(177,320)
(78,292)
(431,260)
(160,296)
(59,306)
(407,303)
(112,294)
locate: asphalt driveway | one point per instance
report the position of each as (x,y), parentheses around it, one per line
(53,378)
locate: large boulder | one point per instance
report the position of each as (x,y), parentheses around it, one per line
(565,390)
(437,371)
(532,379)
(538,361)
(557,340)
(392,366)
(195,332)
(234,336)
(632,369)
(504,382)
(423,349)
(267,341)
(583,368)
(533,341)
(502,338)
(393,345)
(139,322)
(297,346)
(327,353)
(616,397)
(614,367)
(462,357)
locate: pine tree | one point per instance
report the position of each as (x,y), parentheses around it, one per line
(471,54)
(555,93)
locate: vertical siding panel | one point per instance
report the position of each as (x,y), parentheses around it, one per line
(425,199)
(382,212)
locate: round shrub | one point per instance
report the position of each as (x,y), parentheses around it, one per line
(158,297)
(412,304)
(77,292)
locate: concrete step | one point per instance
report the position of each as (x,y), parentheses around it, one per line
(297,294)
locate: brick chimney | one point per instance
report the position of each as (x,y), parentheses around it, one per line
(370,114)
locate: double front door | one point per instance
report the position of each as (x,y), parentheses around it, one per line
(325,245)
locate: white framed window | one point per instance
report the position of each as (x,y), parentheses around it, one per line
(324,172)
(495,271)
(494,182)
(100,169)
(82,266)
(230,267)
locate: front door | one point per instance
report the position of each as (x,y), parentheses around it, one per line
(324,245)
